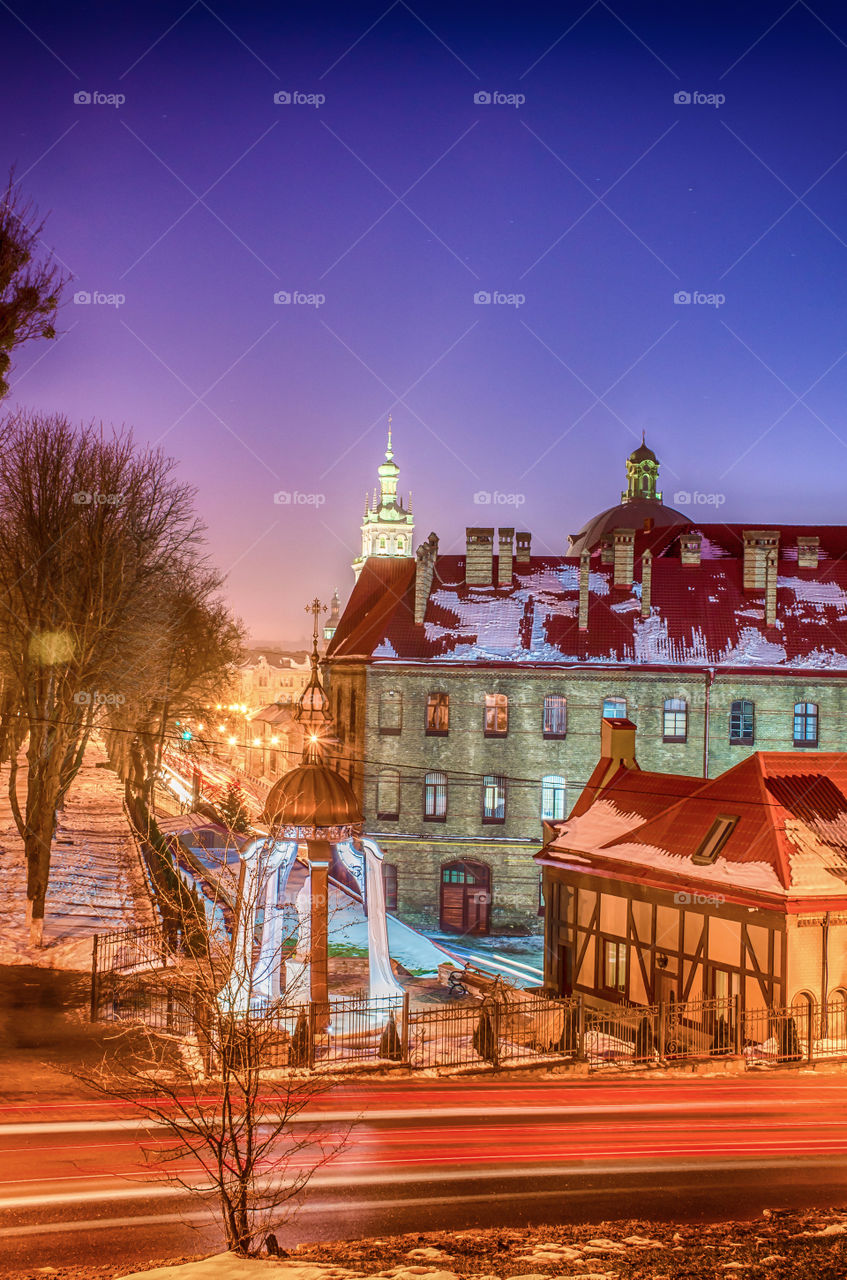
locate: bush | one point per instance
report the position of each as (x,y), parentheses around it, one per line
(789,1041)
(299,1052)
(484,1040)
(644,1041)
(390,1046)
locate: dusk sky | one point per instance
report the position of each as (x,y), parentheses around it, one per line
(396,199)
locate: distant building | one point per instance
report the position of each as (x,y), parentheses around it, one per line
(468,691)
(667,888)
(388,526)
(270,676)
(331,625)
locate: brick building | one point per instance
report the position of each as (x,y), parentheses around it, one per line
(469,690)
(662,888)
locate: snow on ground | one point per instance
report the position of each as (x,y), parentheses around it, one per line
(348,934)
(96,882)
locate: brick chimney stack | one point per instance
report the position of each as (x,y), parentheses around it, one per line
(426,556)
(624,554)
(505,539)
(690,548)
(584,563)
(770,589)
(808,552)
(522,550)
(479,557)
(646,582)
(757,544)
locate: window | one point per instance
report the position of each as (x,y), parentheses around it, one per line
(382,544)
(614,708)
(435,797)
(401,544)
(613,966)
(388,794)
(741,722)
(389,885)
(496,715)
(437,713)
(555,715)
(553,798)
(390,712)
(675,722)
(493,798)
(716,837)
(805,724)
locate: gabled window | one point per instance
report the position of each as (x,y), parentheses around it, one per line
(716,837)
(388,794)
(554,791)
(435,797)
(496,715)
(391,712)
(555,723)
(437,714)
(493,798)
(675,720)
(614,708)
(805,724)
(741,722)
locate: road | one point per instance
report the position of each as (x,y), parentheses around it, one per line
(74,1184)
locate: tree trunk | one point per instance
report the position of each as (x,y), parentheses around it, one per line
(37,844)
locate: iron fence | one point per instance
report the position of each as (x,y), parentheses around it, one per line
(625,1035)
(707,1028)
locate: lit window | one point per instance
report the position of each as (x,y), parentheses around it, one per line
(555,715)
(614,708)
(435,797)
(493,798)
(496,715)
(613,977)
(716,837)
(437,713)
(554,792)
(388,794)
(401,544)
(675,722)
(741,719)
(805,724)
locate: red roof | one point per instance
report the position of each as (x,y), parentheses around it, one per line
(700,615)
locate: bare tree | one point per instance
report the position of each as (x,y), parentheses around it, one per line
(30,281)
(232,1069)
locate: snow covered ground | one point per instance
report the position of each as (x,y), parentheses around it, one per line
(95,883)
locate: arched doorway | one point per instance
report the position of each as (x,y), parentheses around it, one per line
(465,897)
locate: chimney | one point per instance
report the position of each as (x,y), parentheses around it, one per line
(646,582)
(607,554)
(808,552)
(617,744)
(770,589)
(757,544)
(479,557)
(690,548)
(624,552)
(522,551)
(504,557)
(584,562)
(426,556)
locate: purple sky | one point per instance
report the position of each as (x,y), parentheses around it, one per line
(398,199)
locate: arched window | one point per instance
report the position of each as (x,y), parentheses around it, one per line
(614,708)
(388,794)
(390,711)
(382,544)
(493,798)
(389,884)
(805,724)
(496,715)
(554,792)
(675,720)
(401,544)
(742,722)
(555,723)
(435,797)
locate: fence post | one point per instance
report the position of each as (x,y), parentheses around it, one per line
(661,1030)
(94,1001)
(736,1025)
(580,1018)
(496,1030)
(810,1032)
(312,1021)
(404,1029)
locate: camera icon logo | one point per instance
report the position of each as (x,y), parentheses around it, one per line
(282,498)
(282,297)
(482,498)
(682,899)
(682,298)
(482,298)
(482,97)
(83,698)
(682,98)
(82,499)
(282,98)
(682,498)
(82,98)
(82,297)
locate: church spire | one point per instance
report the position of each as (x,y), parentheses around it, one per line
(642,475)
(388,526)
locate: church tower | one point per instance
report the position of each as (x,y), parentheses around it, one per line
(642,475)
(388,526)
